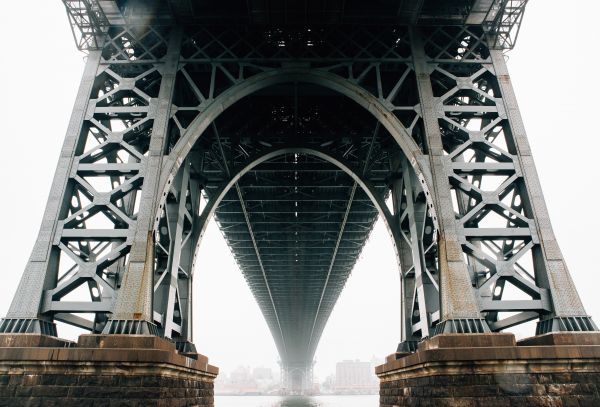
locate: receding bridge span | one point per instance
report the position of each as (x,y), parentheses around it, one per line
(297,124)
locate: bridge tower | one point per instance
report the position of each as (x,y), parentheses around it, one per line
(292,123)
(297,379)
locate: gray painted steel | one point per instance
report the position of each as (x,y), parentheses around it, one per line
(294,138)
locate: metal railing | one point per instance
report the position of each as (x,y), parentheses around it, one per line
(88,23)
(503,22)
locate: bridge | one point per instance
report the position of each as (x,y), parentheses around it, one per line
(296,124)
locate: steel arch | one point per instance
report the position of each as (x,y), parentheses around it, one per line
(416,160)
(411,150)
(264,156)
(339,162)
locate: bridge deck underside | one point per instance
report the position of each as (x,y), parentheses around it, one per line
(303,11)
(296,223)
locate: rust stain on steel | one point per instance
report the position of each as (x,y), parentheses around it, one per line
(147,274)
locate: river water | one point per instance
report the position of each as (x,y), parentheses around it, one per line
(297,401)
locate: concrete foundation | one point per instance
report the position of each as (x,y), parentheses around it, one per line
(493,370)
(98,370)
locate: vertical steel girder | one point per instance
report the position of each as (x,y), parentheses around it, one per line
(418,265)
(175,240)
(93,215)
(133,311)
(120,230)
(494,230)
(458,305)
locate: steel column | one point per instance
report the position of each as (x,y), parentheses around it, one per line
(551,272)
(133,310)
(418,270)
(41,272)
(176,240)
(458,305)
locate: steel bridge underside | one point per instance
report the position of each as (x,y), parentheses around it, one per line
(296,223)
(91,18)
(309,11)
(298,216)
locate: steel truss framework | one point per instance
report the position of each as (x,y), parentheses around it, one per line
(294,139)
(88,23)
(90,19)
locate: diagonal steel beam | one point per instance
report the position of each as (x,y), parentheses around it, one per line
(250,231)
(262,267)
(340,235)
(333,258)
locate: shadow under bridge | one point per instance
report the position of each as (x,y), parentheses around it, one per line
(296,176)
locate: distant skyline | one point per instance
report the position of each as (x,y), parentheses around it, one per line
(559,102)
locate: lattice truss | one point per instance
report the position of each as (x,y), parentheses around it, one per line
(88,23)
(175,239)
(264,204)
(100,202)
(107,178)
(492,203)
(418,254)
(503,23)
(217,59)
(108,167)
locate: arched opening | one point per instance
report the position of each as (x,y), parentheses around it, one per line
(296,175)
(184,142)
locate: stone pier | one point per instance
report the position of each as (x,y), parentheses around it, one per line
(493,370)
(99,370)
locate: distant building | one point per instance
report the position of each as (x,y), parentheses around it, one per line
(328,386)
(262,374)
(244,380)
(241,375)
(355,377)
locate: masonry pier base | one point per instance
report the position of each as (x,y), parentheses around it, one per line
(493,370)
(98,370)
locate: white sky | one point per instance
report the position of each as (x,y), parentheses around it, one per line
(554,70)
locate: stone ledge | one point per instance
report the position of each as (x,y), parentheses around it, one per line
(102,370)
(33,341)
(468,341)
(482,370)
(562,339)
(475,348)
(95,356)
(101,349)
(124,341)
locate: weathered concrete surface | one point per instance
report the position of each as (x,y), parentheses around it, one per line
(115,370)
(493,370)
